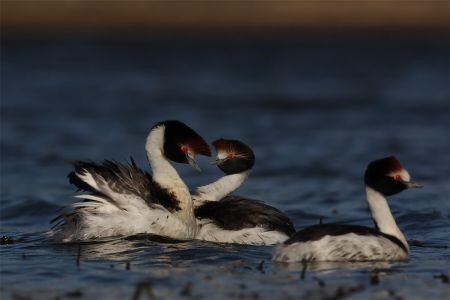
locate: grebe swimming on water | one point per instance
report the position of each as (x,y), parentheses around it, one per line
(234,219)
(123,200)
(333,242)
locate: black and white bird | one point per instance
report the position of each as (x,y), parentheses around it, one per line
(334,242)
(233,219)
(121,199)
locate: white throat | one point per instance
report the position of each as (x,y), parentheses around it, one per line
(382,215)
(166,175)
(219,189)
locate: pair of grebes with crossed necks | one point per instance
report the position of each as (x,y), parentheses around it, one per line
(120,199)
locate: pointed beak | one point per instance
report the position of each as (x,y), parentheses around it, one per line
(218,161)
(412,184)
(191,160)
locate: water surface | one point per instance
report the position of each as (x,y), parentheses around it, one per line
(314,111)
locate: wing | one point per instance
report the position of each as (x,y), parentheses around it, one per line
(120,183)
(112,189)
(235,212)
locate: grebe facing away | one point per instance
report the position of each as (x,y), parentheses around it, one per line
(234,219)
(333,242)
(123,200)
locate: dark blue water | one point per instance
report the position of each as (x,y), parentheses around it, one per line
(314,111)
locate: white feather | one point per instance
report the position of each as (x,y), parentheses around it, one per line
(351,246)
(208,231)
(118,214)
(108,221)
(219,189)
(347,247)
(88,179)
(382,215)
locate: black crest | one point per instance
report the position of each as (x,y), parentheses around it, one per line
(242,158)
(176,135)
(377,176)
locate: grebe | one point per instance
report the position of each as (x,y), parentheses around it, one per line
(124,200)
(235,159)
(234,219)
(333,242)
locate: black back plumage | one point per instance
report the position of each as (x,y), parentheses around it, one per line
(235,213)
(125,179)
(317,232)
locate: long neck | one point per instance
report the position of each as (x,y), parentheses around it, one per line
(166,175)
(220,188)
(382,215)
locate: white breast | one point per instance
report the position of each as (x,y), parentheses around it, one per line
(347,247)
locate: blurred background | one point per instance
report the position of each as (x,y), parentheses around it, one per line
(317,89)
(299,75)
(212,18)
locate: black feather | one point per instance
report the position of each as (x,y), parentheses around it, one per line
(76,181)
(234,213)
(377,176)
(124,179)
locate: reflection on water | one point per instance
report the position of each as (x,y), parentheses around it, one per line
(314,111)
(330,267)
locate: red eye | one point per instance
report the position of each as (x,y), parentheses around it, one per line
(184,149)
(230,156)
(397,178)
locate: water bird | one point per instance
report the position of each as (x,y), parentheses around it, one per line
(333,242)
(226,218)
(121,199)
